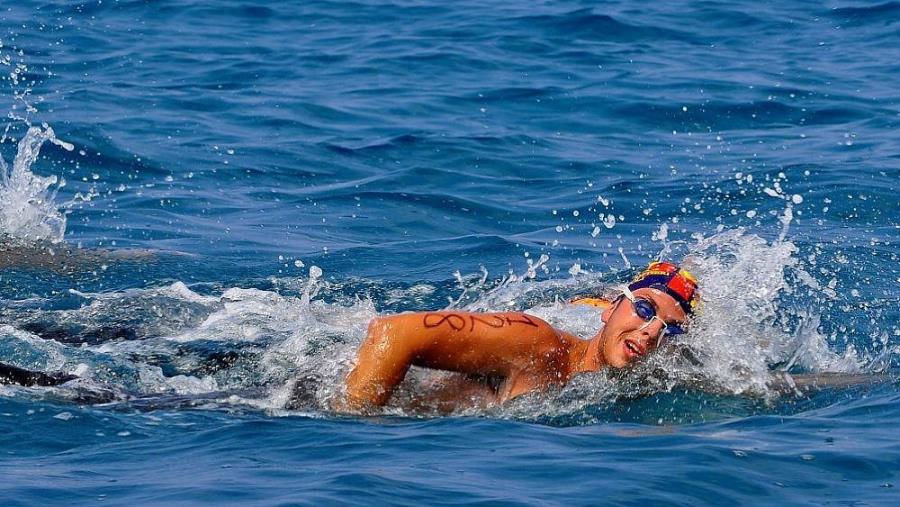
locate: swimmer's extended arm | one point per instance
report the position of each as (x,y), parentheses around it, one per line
(805,383)
(64,258)
(499,344)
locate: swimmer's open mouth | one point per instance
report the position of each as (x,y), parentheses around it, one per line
(634,348)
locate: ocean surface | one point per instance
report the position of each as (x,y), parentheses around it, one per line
(204,203)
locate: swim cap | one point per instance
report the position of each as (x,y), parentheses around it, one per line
(674,281)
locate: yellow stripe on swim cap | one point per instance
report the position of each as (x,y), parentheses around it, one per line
(592,301)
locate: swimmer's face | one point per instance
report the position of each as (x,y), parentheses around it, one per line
(626,337)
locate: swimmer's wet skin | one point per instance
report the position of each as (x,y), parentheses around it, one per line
(523,351)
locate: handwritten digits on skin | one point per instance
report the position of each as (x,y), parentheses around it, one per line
(495,321)
(457,322)
(523,319)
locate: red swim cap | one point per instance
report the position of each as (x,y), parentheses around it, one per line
(678,283)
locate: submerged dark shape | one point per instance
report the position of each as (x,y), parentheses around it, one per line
(20,376)
(61,257)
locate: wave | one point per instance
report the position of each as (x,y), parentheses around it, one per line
(865,14)
(587,25)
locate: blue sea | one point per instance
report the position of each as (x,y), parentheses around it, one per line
(204,204)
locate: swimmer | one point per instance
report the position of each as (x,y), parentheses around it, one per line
(505,355)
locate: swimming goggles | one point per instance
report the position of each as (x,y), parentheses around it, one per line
(645,309)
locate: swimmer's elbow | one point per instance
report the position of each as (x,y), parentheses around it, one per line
(392,335)
(378,327)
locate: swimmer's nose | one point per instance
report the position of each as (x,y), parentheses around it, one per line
(651,332)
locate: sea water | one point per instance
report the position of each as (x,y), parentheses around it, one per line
(204,203)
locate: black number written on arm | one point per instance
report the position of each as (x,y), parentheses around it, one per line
(458,322)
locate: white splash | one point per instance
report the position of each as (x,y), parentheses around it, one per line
(738,328)
(29,212)
(296,349)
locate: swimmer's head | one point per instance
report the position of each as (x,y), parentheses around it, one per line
(676,282)
(656,304)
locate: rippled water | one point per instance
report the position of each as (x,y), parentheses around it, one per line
(204,204)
